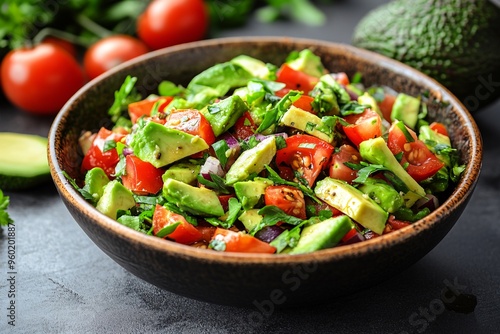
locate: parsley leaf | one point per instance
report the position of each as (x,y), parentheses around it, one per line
(274,114)
(272,215)
(232,214)
(85,194)
(123,97)
(221,148)
(273,176)
(218,184)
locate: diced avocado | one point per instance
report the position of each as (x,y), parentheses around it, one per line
(256,67)
(367,99)
(308,63)
(250,219)
(427,135)
(252,161)
(406,109)
(23,161)
(305,121)
(183,171)
(355,89)
(329,95)
(160,145)
(224,114)
(382,193)
(250,192)
(198,201)
(95,181)
(353,203)
(322,235)
(376,151)
(115,197)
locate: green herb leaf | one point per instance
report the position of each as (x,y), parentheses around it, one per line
(85,194)
(217,184)
(274,114)
(167,230)
(168,88)
(272,215)
(123,97)
(221,148)
(273,176)
(232,214)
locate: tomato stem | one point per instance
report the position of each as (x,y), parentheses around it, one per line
(93,27)
(46,32)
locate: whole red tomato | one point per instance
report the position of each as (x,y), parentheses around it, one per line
(40,79)
(111,51)
(171,22)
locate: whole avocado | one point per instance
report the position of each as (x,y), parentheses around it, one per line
(456,42)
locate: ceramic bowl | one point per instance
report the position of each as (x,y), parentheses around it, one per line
(246,279)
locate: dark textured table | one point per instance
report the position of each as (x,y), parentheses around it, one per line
(65,284)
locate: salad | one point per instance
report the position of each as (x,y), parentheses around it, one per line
(254,157)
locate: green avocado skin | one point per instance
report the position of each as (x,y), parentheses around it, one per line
(456,42)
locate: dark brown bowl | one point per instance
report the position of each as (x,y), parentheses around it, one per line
(246,279)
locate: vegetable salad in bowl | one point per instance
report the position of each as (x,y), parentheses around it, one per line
(260,158)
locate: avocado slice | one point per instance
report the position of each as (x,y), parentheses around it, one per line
(254,66)
(376,151)
(250,219)
(115,197)
(224,114)
(252,161)
(406,109)
(382,193)
(250,192)
(23,161)
(183,171)
(95,181)
(198,201)
(308,63)
(305,121)
(160,145)
(322,235)
(352,202)
(367,99)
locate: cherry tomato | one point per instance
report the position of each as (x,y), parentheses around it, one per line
(40,79)
(101,154)
(421,162)
(386,106)
(304,154)
(143,108)
(244,127)
(241,242)
(68,46)
(171,22)
(184,233)
(296,80)
(439,128)
(141,177)
(110,52)
(338,169)
(287,198)
(363,126)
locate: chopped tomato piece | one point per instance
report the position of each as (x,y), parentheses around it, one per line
(386,106)
(241,242)
(244,127)
(363,126)
(305,103)
(304,154)
(141,177)
(341,78)
(143,108)
(184,233)
(102,153)
(396,224)
(287,198)
(338,169)
(191,121)
(439,128)
(419,161)
(224,201)
(296,80)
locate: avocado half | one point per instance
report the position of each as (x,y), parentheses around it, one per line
(456,42)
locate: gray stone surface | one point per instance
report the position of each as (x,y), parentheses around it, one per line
(65,284)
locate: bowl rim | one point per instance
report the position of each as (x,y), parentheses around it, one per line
(461,193)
